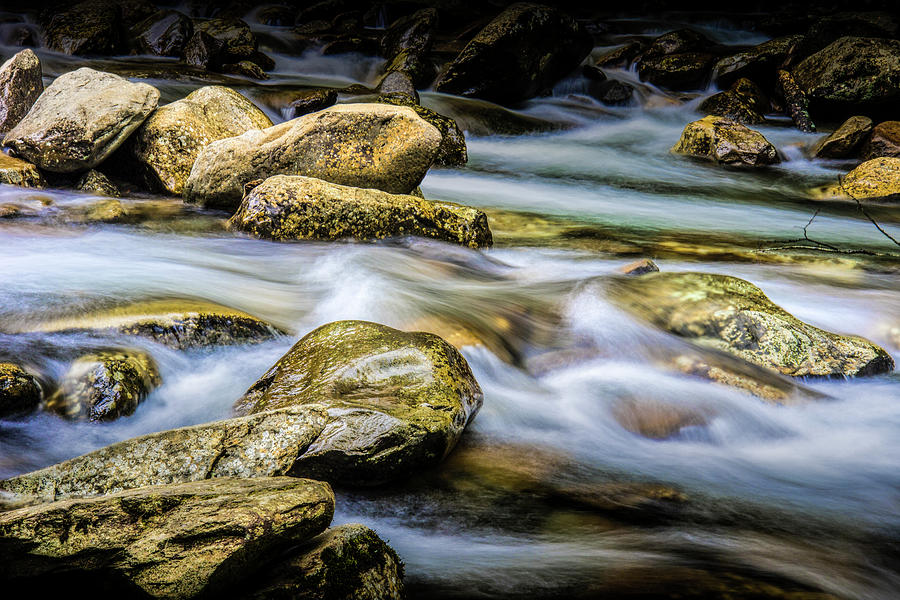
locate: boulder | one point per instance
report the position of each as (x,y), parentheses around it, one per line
(178,541)
(829,28)
(876,179)
(851,76)
(180,324)
(362,145)
(164,148)
(518,55)
(105,385)
(735,316)
(80,119)
(164,33)
(452,151)
(593,73)
(21,82)
(686,71)
(884,141)
(743,102)
(204,51)
(405,44)
(397,401)
(726,142)
(261,445)
(14,171)
(756,64)
(245,68)
(679,41)
(843,141)
(311,101)
(611,92)
(105,211)
(95,182)
(19,392)
(348,562)
(89,28)
(286,207)
(238,42)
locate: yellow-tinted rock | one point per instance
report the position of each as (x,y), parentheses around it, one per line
(726,142)
(873,179)
(19,172)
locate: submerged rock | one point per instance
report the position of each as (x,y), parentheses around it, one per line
(397,401)
(519,54)
(96,182)
(362,145)
(21,82)
(844,140)
(176,541)
(622,56)
(165,147)
(743,102)
(452,152)
(726,142)
(19,392)
(105,386)
(658,420)
(14,171)
(80,119)
(261,445)
(876,179)
(735,316)
(884,141)
(287,207)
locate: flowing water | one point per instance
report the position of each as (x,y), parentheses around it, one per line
(804,496)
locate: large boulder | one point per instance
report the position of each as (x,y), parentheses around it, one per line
(164,33)
(261,445)
(80,119)
(876,179)
(287,207)
(166,145)
(235,41)
(362,145)
(743,102)
(19,391)
(21,82)
(85,29)
(735,316)
(884,141)
(178,541)
(104,386)
(851,76)
(396,401)
(453,151)
(519,54)
(14,171)
(726,142)
(843,141)
(757,63)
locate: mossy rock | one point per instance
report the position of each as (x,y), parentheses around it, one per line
(687,71)
(874,180)
(726,142)
(19,391)
(757,63)
(397,401)
(679,41)
(14,171)
(95,182)
(88,28)
(744,103)
(452,152)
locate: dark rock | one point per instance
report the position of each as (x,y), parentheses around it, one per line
(203,50)
(593,72)
(681,41)
(88,28)
(345,44)
(884,141)
(265,62)
(19,392)
(796,101)
(406,43)
(757,64)
(245,68)
(398,82)
(622,56)
(312,101)
(96,182)
(239,43)
(744,102)
(20,85)
(830,28)
(844,141)
(687,71)
(164,33)
(612,92)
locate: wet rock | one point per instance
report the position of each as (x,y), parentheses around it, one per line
(876,179)
(164,148)
(452,151)
(795,100)
(80,119)
(398,82)
(312,101)
(362,145)
(657,420)
(844,140)
(244,68)
(348,562)
(734,316)
(238,42)
(832,27)
(748,377)
(96,182)
(851,76)
(884,141)
(687,71)
(178,323)
(204,51)
(518,55)
(164,33)
(88,28)
(639,267)
(287,207)
(593,73)
(105,386)
(612,92)
(622,56)
(744,102)
(19,392)
(406,43)
(14,171)
(176,541)
(726,142)
(756,64)
(397,402)
(20,85)
(679,41)
(105,211)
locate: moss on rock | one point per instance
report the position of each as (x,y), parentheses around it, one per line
(19,391)
(726,142)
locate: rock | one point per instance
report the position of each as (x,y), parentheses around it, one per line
(753,379)
(312,101)
(452,151)
(743,102)
(686,71)
(406,43)
(844,140)
(105,211)
(177,541)
(20,85)
(19,392)
(88,28)
(622,56)
(639,267)
(796,101)
(397,402)
(349,562)
(593,73)
(164,33)
(679,41)
(851,76)
(362,145)
(244,68)
(832,27)
(19,172)
(734,316)
(286,207)
(876,179)
(204,51)
(398,82)
(726,142)
(180,324)
(164,148)
(105,385)
(80,119)
(884,141)
(519,54)
(611,92)
(96,182)
(238,41)
(756,64)
(657,420)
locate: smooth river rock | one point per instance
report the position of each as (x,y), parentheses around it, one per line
(21,82)
(187,540)
(378,146)
(844,140)
(884,141)
(735,316)
(726,142)
(287,207)
(80,119)
(396,401)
